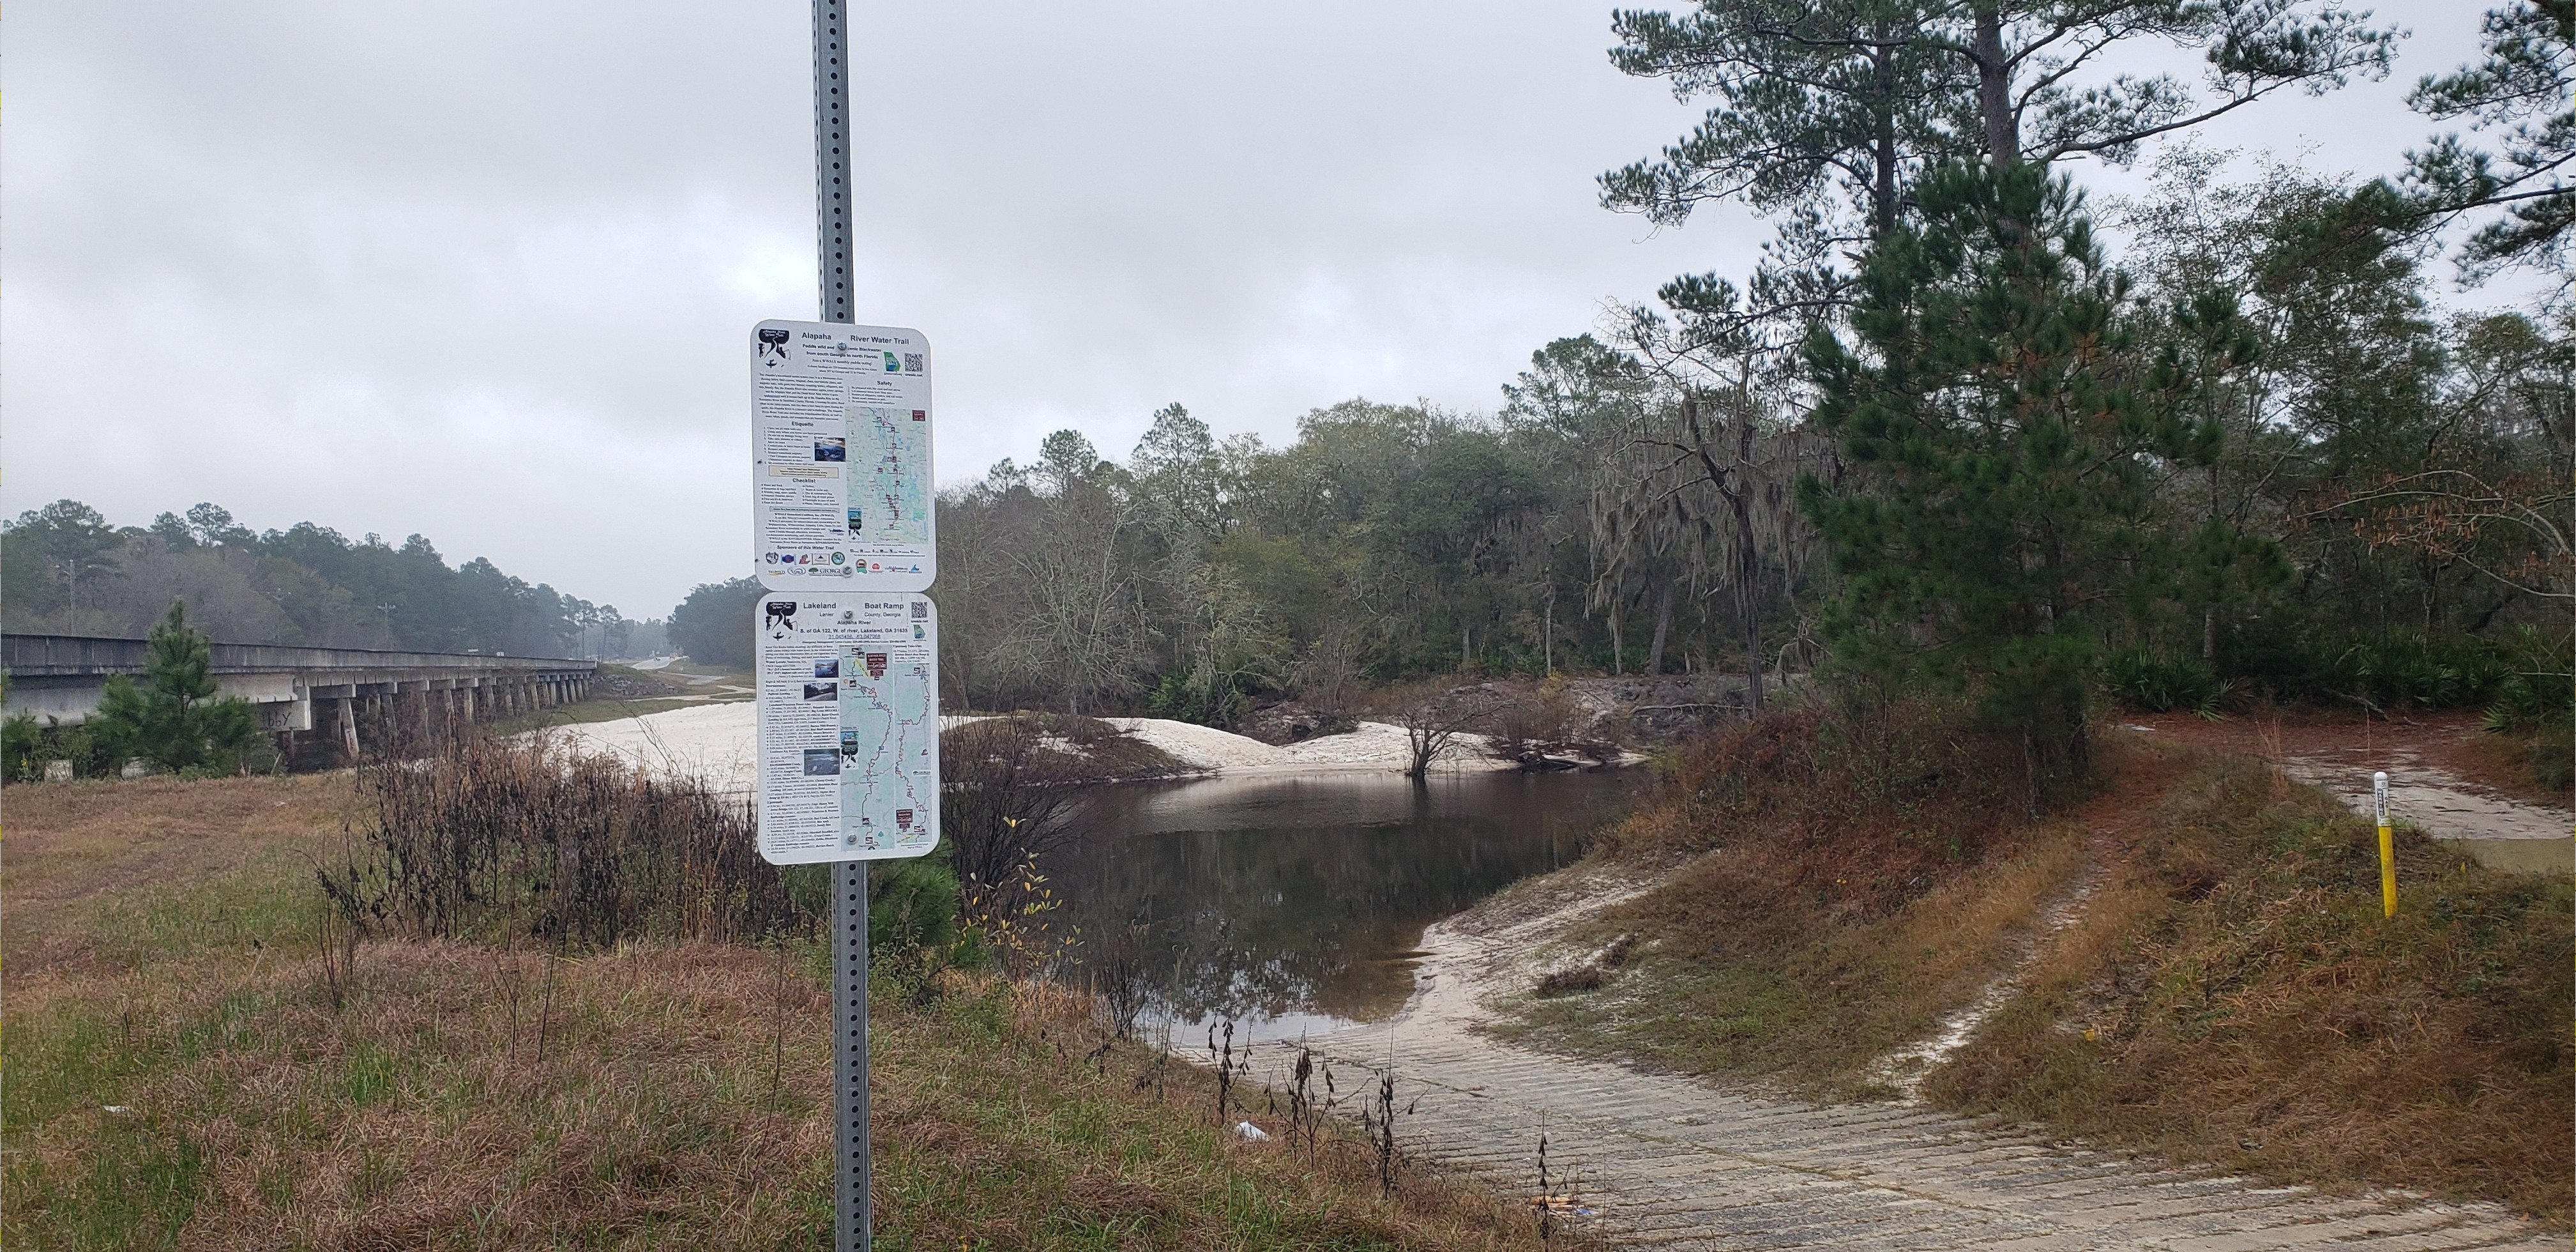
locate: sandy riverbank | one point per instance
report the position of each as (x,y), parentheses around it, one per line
(714,743)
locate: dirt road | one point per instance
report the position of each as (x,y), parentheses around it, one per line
(2442,778)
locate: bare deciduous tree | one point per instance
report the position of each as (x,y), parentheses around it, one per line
(1078,620)
(1006,797)
(1434,718)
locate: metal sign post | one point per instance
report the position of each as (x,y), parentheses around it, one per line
(855,1222)
(844,538)
(855,1216)
(831,158)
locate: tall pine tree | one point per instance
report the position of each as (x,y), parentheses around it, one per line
(2007,430)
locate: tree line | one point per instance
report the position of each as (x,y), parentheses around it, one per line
(1965,427)
(65,570)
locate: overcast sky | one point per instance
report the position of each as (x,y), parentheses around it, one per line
(484,271)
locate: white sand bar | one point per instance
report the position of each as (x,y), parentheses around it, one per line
(1372,746)
(713,743)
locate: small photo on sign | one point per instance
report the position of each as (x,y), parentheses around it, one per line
(827,669)
(822,691)
(831,449)
(850,744)
(822,762)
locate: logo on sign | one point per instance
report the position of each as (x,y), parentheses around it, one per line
(903,819)
(876,664)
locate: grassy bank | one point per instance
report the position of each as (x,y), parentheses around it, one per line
(185,1069)
(2234,995)
(2191,956)
(1823,898)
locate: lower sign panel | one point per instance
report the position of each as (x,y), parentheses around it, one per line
(849,727)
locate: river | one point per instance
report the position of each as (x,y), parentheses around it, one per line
(1292,904)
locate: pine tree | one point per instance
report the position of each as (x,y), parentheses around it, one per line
(2007,430)
(176,720)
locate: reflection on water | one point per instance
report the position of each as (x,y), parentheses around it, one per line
(1293,904)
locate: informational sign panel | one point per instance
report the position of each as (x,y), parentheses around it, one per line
(848,738)
(842,493)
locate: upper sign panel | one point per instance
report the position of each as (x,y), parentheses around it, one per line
(842,493)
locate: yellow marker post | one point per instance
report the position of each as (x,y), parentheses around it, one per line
(2387,846)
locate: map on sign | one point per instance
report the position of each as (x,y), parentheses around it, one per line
(848,716)
(842,485)
(888,475)
(889,748)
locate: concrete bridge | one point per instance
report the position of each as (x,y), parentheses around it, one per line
(316,701)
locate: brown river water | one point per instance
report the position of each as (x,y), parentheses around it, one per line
(1294,904)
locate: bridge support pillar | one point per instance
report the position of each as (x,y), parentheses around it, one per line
(347,718)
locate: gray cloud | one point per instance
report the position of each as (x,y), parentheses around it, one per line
(483,271)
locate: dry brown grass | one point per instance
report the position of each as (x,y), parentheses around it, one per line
(2247,1005)
(1836,890)
(73,846)
(201,1090)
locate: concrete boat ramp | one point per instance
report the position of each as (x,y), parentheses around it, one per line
(1663,1161)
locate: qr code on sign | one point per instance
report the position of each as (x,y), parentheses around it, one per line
(920,610)
(912,362)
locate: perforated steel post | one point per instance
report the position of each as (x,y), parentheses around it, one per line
(831,158)
(850,1052)
(855,1216)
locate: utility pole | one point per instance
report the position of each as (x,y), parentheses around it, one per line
(856,1220)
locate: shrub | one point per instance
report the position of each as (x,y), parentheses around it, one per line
(1870,793)
(496,837)
(912,905)
(26,748)
(2147,682)
(1010,789)
(1534,722)
(1183,698)
(20,740)
(2534,702)
(2381,669)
